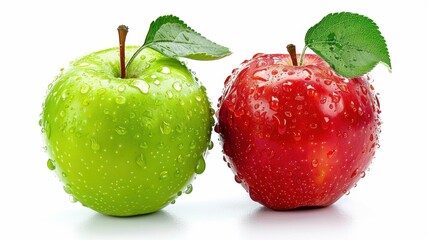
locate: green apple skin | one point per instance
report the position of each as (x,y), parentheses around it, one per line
(130,146)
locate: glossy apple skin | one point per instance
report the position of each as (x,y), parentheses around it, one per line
(126,146)
(297,136)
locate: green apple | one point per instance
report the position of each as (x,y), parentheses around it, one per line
(127,146)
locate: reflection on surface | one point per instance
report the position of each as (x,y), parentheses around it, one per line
(330,221)
(157,224)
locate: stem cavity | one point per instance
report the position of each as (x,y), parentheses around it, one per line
(122,32)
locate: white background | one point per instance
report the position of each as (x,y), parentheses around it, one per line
(39,37)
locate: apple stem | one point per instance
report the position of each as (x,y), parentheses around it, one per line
(292,52)
(301,58)
(122,31)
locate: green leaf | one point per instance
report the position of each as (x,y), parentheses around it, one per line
(349,42)
(172,37)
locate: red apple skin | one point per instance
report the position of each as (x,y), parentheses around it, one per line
(297,136)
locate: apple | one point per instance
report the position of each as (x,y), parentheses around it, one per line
(127,141)
(297,135)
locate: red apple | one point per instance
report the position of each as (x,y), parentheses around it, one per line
(297,136)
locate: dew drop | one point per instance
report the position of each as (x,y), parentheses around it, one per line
(163,175)
(142,57)
(140,160)
(297,135)
(165,70)
(371,137)
(121,88)
(51,164)
(362,174)
(192,145)
(274,103)
(142,86)
(120,100)
(330,154)
(84,88)
(67,188)
(238,179)
(121,130)
(94,145)
(299,98)
(363,89)
(210,145)
(310,91)
(165,128)
(143,145)
(335,97)
(188,189)
(314,163)
(177,86)
(261,63)
(201,166)
(169,94)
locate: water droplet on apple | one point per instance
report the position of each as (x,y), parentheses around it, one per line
(165,128)
(260,75)
(313,125)
(120,100)
(310,91)
(261,63)
(297,135)
(274,103)
(188,189)
(142,57)
(64,94)
(142,86)
(67,188)
(143,145)
(362,174)
(121,88)
(192,145)
(315,163)
(330,153)
(210,145)
(169,94)
(335,97)
(84,88)
(165,70)
(327,82)
(50,86)
(299,98)
(51,164)
(201,166)
(121,130)
(238,179)
(94,145)
(141,161)
(163,175)
(177,86)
